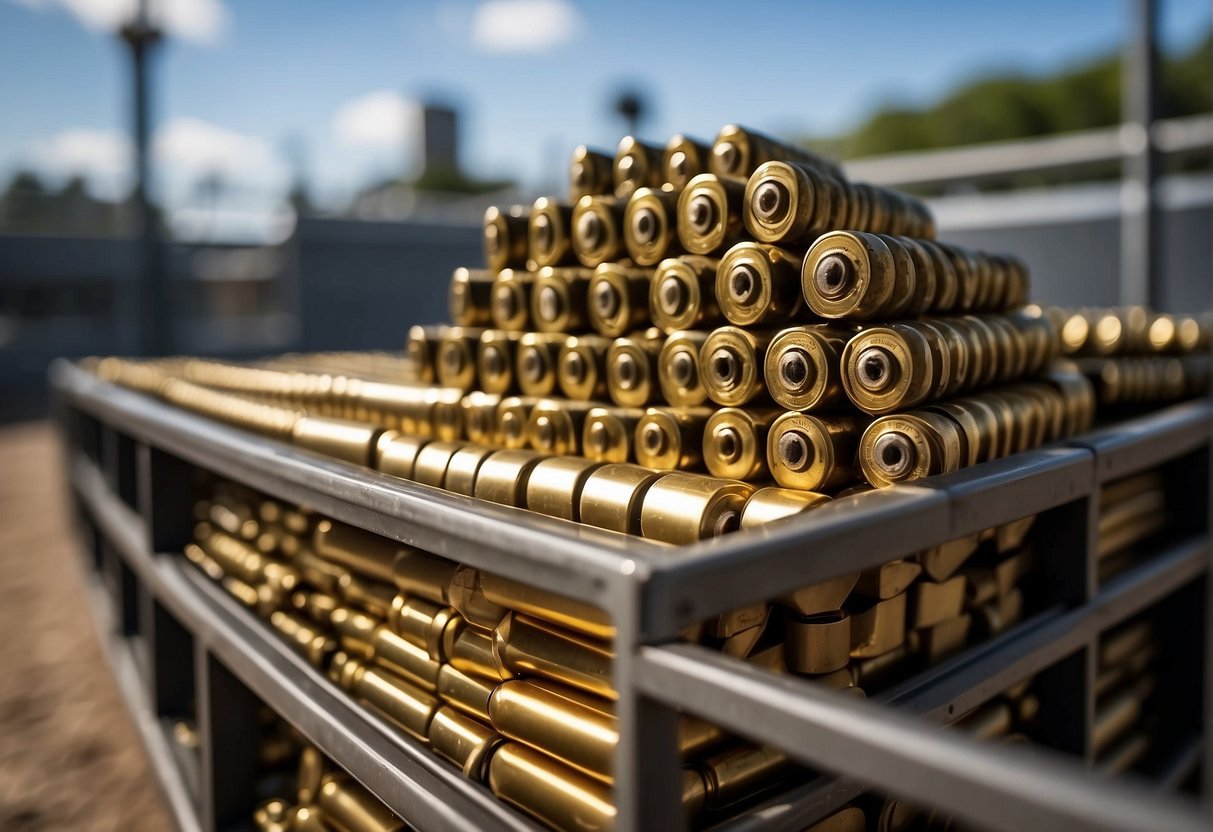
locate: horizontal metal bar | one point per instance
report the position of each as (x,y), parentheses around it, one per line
(1044,153)
(995,787)
(1143,443)
(402,773)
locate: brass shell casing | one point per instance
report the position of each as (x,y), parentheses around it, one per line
(598,230)
(512,299)
(554,486)
(471,297)
(738,151)
(670,438)
(618,299)
(730,364)
(767,504)
(559,299)
(878,628)
(468,599)
(432,460)
(466,692)
(343,801)
(759,285)
(682,508)
(365,553)
(818,643)
(505,237)
(683,159)
(632,368)
(396,454)
(682,294)
(424,575)
(503,477)
(513,416)
(710,211)
(462,468)
(480,417)
(735,443)
(303,636)
(650,225)
(887,579)
(933,603)
(581,367)
(803,367)
(790,203)
(894,367)
(523,645)
(537,714)
(420,622)
(540,603)
(739,772)
(352,442)
(637,165)
(470,650)
(370,596)
(608,432)
(814,453)
(849,275)
(556,426)
(464,741)
(550,791)
(909,446)
(613,495)
(678,369)
(407,660)
(549,237)
(590,173)
(536,360)
(495,359)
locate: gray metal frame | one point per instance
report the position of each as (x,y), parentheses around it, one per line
(116,436)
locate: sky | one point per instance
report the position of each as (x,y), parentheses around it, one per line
(253,91)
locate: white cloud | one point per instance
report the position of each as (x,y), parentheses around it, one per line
(194,148)
(197,21)
(379,119)
(518,26)
(101,157)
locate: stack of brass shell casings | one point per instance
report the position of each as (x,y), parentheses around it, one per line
(1131,511)
(322,798)
(1124,731)
(1136,357)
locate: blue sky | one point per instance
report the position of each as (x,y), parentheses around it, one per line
(252,87)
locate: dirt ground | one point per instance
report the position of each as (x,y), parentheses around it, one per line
(70,758)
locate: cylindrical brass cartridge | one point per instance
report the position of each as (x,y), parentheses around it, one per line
(371,596)
(632,368)
(710,212)
(566,612)
(232,555)
(850,275)
(470,650)
(462,467)
(356,631)
(878,628)
(245,593)
(317,606)
(464,741)
(671,438)
(545,789)
(480,417)
(455,362)
(432,460)
(682,508)
(513,415)
(407,660)
(466,692)
(209,566)
(554,487)
(512,299)
(590,173)
(933,602)
(790,203)
(535,713)
(556,426)
(894,367)
(740,772)
(608,431)
(495,360)
(272,815)
(420,345)
(650,225)
(735,443)
(581,367)
(678,369)
(818,643)
(424,575)
(683,159)
(682,294)
(549,233)
(767,504)
(469,601)
(306,638)
(598,229)
(814,453)
(503,476)
(420,622)
(618,299)
(352,442)
(536,360)
(909,446)
(505,237)
(730,365)
(559,299)
(471,297)
(523,645)
(310,776)
(365,553)
(738,151)
(345,803)
(612,496)
(637,165)
(759,285)
(803,367)
(318,572)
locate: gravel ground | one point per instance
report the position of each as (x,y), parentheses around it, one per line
(69,754)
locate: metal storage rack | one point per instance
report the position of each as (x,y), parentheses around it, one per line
(177,636)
